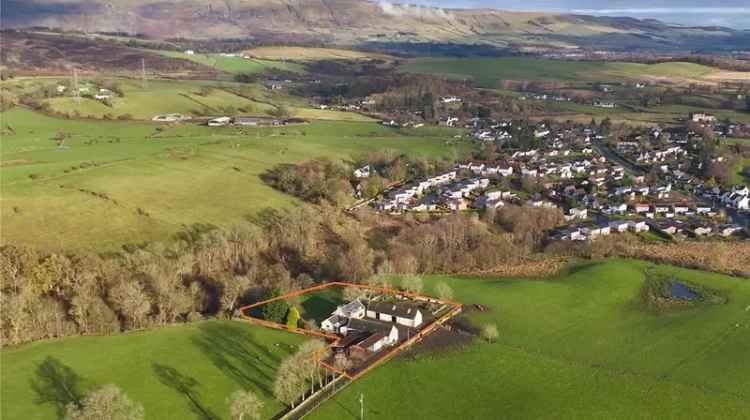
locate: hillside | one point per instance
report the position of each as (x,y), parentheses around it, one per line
(39,54)
(356,22)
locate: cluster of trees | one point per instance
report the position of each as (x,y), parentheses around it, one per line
(110,403)
(324,180)
(314,180)
(208,271)
(415,93)
(300,373)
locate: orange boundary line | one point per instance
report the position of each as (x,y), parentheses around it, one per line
(335,339)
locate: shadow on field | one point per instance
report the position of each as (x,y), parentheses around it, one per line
(318,308)
(234,351)
(346,409)
(56,383)
(185,385)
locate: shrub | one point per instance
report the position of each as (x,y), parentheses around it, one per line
(490,333)
(292,318)
(275,311)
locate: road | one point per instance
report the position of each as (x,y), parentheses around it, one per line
(610,155)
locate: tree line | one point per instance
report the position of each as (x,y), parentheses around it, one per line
(207,271)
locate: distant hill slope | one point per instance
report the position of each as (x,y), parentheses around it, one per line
(357,22)
(39,54)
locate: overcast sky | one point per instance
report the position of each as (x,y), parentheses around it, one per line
(733,13)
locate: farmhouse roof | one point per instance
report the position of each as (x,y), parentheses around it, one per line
(351,307)
(371,340)
(368,325)
(398,309)
(352,339)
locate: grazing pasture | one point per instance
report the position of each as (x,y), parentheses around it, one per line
(489,72)
(72,184)
(184,371)
(577,346)
(234,64)
(139,101)
(313,54)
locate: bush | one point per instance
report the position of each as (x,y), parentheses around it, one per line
(292,318)
(444,291)
(490,333)
(412,284)
(275,311)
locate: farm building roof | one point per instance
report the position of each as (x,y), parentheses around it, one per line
(371,340)
(400,310)
(368,325)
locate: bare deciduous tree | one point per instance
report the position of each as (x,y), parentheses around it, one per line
(244,405)
(412,284)
(444,291)
(105,403)
(132,301)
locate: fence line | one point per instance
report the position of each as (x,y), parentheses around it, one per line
(343,375)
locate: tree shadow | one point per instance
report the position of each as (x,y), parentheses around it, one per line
(318,307)
(234,352)
(185,385)
(346,409)
(55,383)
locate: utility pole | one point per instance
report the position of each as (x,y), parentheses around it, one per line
(361,406)
(76,90)
(143,73)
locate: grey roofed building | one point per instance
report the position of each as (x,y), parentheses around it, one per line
(396,309)
(367,325)
(247,121)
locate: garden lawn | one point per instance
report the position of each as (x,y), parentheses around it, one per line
(209,359)
(578,346)
(115,183)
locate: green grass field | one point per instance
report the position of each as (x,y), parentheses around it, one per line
(217,357)
(234,64)
(189,97)
(740,172)
(488,72)
(87,194)
(578,346)
(309,54)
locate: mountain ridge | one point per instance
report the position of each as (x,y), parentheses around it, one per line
(353,22)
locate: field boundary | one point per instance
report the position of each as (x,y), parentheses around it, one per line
(322,396)
(429,328)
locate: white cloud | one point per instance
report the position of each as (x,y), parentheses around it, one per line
(413,10)
(666,11)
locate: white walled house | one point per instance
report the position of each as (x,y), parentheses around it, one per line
(406,315)
(353,309)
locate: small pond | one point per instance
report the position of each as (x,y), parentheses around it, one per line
(681,291)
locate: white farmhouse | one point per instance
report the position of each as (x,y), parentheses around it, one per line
(402,314)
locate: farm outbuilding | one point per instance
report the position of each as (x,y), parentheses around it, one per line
(399,313)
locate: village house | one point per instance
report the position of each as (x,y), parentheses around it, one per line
(219,122)
(341,316)
(638,226)
(363,172)
(701,117)
(170,118)
(247,121)
(450,99)
(619,226)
